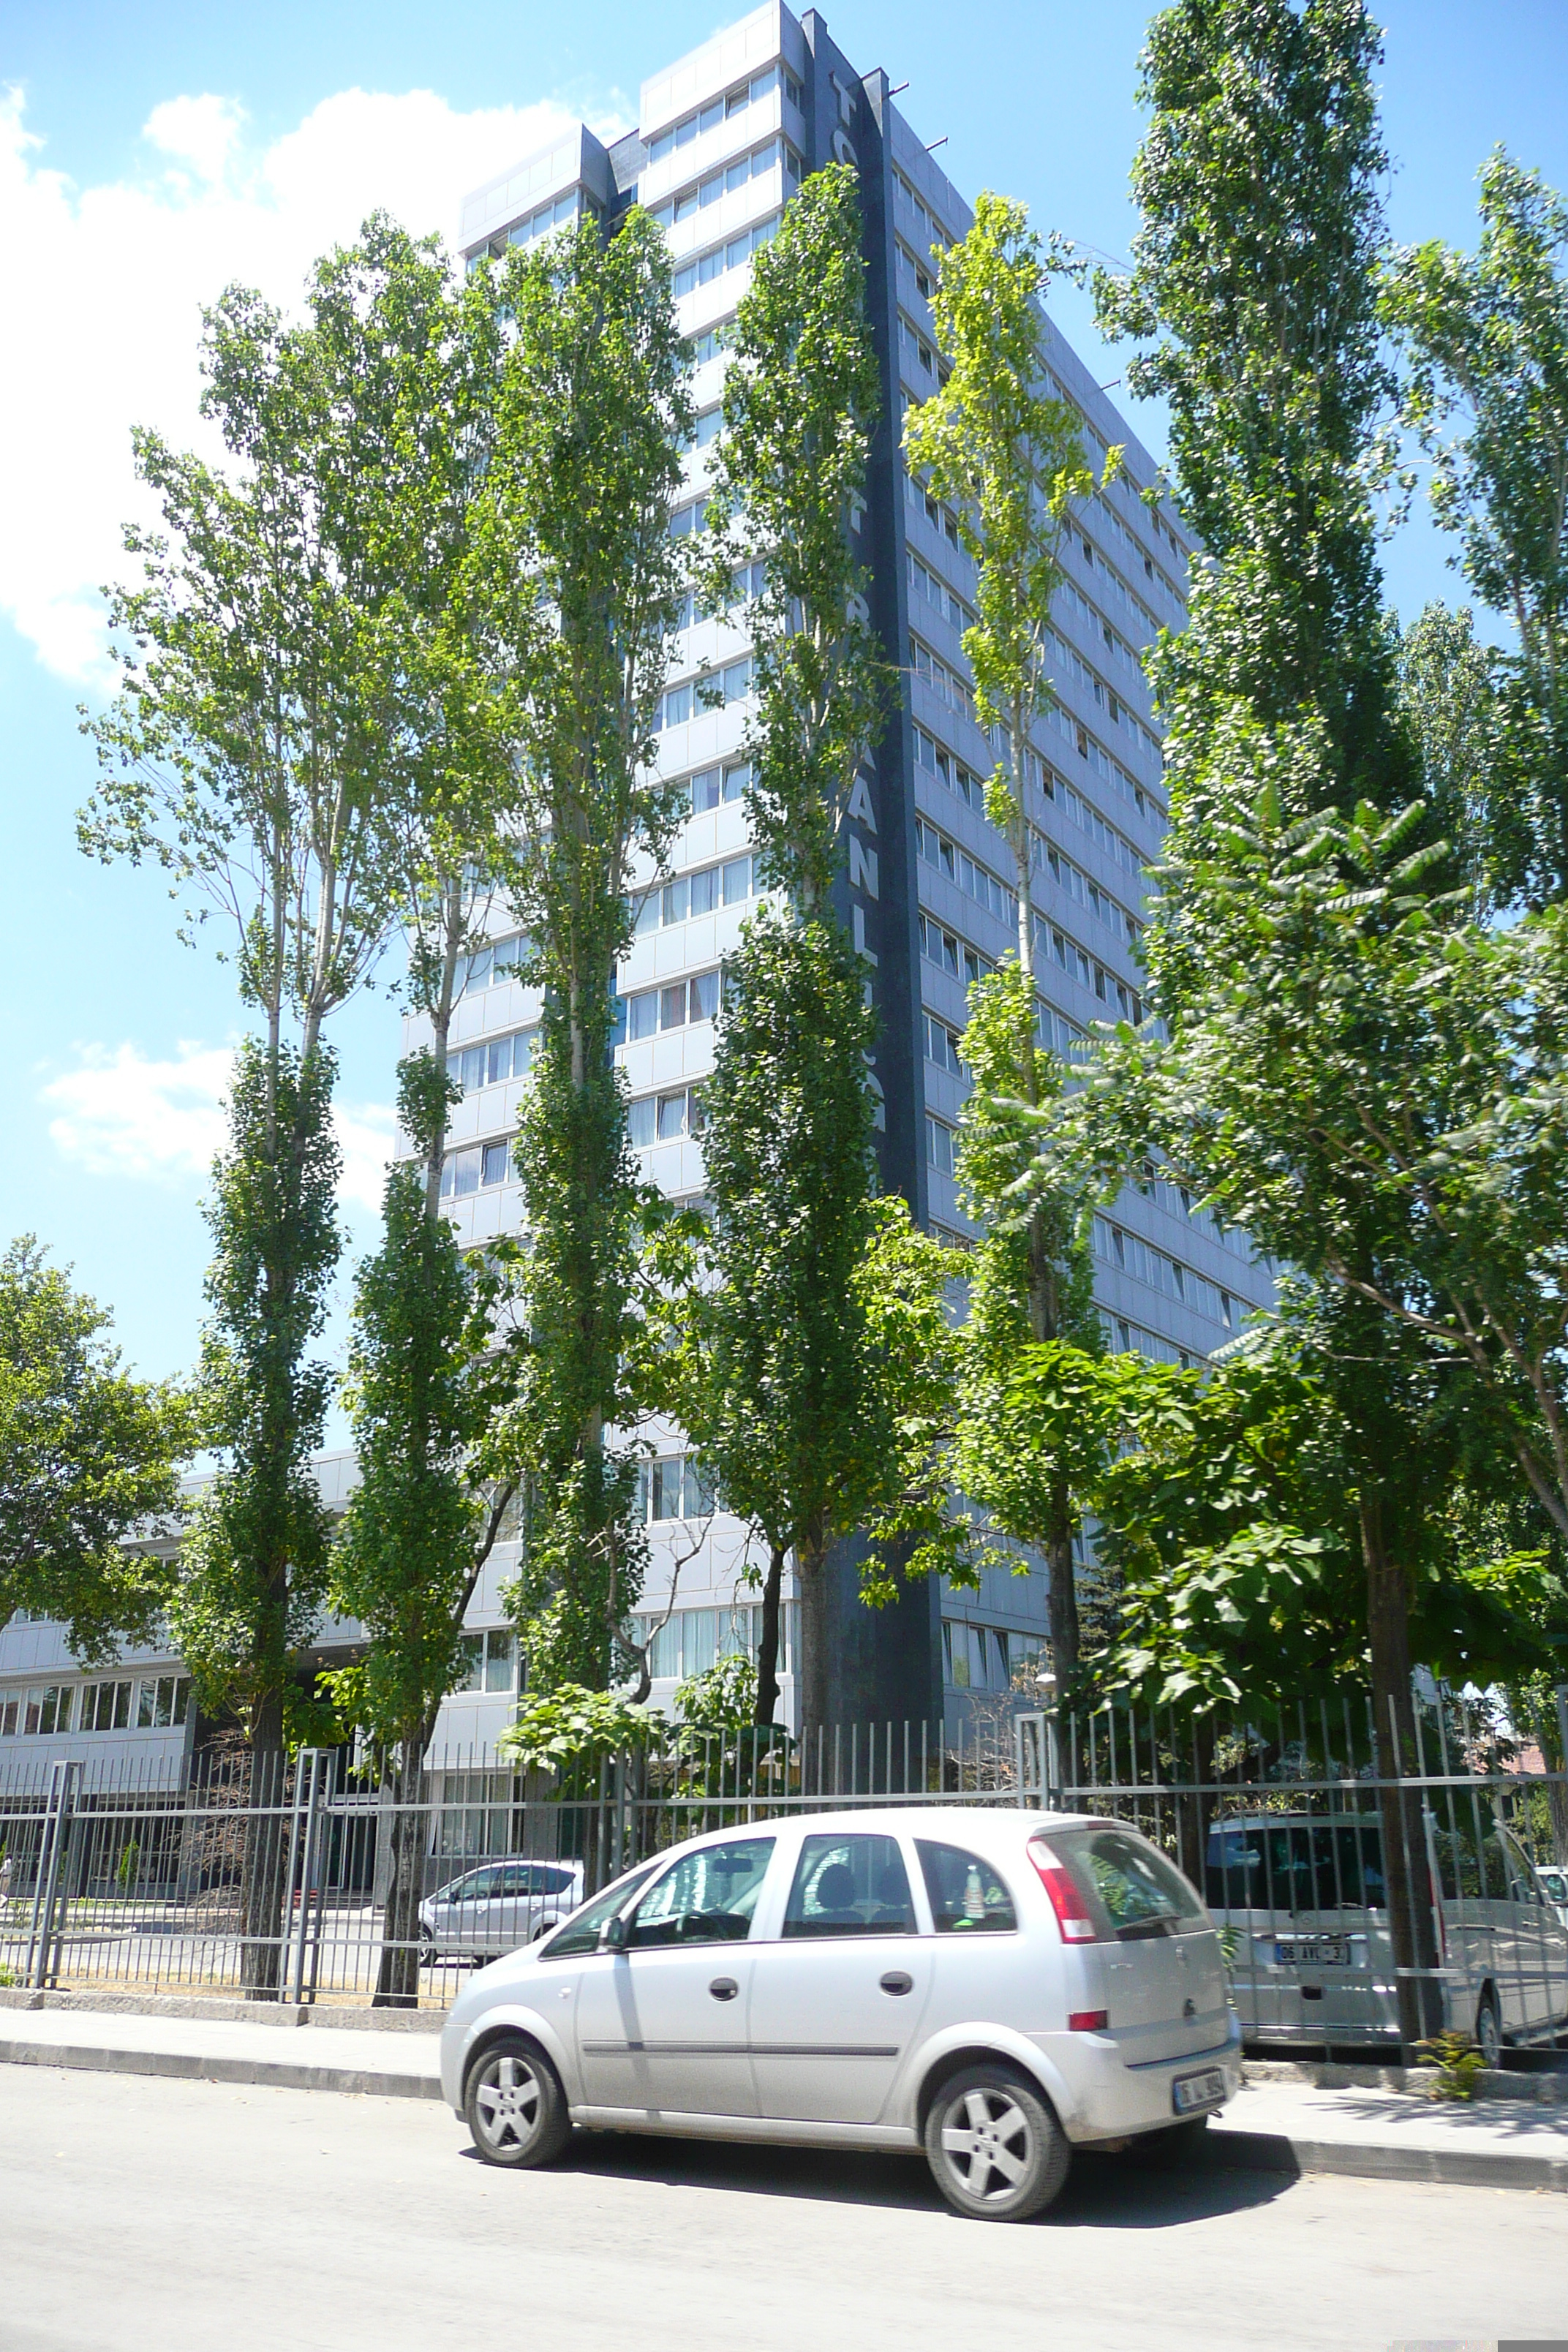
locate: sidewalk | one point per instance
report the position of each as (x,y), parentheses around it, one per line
(1271,2126)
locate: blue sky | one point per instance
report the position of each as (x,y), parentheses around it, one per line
(147,155)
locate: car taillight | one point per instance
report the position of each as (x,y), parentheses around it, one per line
(1088,2021)
(1072,1912)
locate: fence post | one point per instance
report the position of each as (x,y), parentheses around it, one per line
(309,1794)
(43,1940)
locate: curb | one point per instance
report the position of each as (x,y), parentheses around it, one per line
(110,2004)
(1247,2151)
(184,2065)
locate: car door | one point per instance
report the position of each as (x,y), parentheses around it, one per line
(1540,1940)
(467,1907)
(837,2000)
(662,2023)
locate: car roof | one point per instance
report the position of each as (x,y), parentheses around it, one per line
(1006,1820)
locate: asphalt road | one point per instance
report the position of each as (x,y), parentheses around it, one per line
(138,2213)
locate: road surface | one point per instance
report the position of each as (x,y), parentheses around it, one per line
(138,2213)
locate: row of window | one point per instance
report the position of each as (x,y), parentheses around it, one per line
(938,762)
(914,348)
(1131,1340)
(685,895)
(1116,589)
(711,341)
(496,961)
(1116,1247)
(690,1641)
(942,1046)
(940,518)
(940,1146)
(673,1486)
(924,280)
(707,118)
(926,584)
(492,1062)
(1068,659)
(711,691)
(477,1169)
(1084,888)
(733,254)
(1095,622)
(951,954)
(1125,1002)
(976,881)
(944,683)
(929,226)
(1086,817)
(676,1006)
(983,1657)
(1095,756)
(559,213)
(664,1119)
(153,1703)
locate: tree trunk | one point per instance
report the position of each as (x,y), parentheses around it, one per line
(266,1849)
(768,1648)
(405,1790)
(811,1567)
(1063,1589)
(1412,1930)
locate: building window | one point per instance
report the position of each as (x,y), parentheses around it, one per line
(691,1640)
(496,962)
(664,1119)
(982,1657)
(489,1661)
(939,1145)
(704,119)
(941,1046)
(486,1164)
(493,1061)
(675,1487)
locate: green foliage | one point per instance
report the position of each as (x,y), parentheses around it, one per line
(1460,2064)
(1255,280)
(127,1866)
(1012,462)
(574,583)
(723,1697)
(1485,337)
(572,1729)
(1456,722)
(801,400)
(89,1457)
(255,1565)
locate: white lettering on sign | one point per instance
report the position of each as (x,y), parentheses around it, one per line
(862,868)
(860,802)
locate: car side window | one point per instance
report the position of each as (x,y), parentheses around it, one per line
(850,1887)
(967,1897)
(478,1887)
(583,1930)
(706,1898)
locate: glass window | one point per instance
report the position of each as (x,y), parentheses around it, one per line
(711,189)
(966,1895)
(737,881)
(671,1117)
(471,1655)
(639,1123)
(850,1887)
(498,1060)
(465,1169)
(672,1006)
(677,898)
(660,147)
(494,1169)
(686,205)
(647,916)
(712,115)
(705,891)
(581,1932)
(8,1712)
(500,1659)
(705,790)
(738,174)
(1136,1885)
(736,779)
(706,1898)
(146,1699)
(704,996)
(664,1655)
(473,1068)
(642,1013)
(666,1484)
(685,132)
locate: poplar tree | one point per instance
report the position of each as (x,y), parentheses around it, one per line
(575,585)
(273,722)
(792,1420)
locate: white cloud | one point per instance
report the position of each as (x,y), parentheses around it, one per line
(119,1114)
(102,287)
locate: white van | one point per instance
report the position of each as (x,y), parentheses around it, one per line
(1310,1958)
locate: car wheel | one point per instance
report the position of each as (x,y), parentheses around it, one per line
(1489,2029)
(515,2107)
(1177,2144)
(996,2149)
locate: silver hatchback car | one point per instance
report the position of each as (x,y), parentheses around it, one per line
(994,1986)
(492,1910)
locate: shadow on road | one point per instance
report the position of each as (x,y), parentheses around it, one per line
(1101,2192)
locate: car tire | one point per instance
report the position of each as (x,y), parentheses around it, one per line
(515,2107)
(1489,2029)
(996,2149)
(1175,2144)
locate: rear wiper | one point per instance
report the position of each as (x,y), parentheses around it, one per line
(1140,1930)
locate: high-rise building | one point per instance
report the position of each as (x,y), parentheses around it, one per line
(725,137)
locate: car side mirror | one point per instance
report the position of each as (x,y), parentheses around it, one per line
(615,1934)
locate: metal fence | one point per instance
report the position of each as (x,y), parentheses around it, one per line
(195,1878)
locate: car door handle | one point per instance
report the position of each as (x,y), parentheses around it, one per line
(723,1988)
(896,1981)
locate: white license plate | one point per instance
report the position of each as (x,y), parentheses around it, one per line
(1312,1952)
(1191,2091)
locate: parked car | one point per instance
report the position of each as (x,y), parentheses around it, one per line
(994,1986)
(491,1911)
(1313,1962)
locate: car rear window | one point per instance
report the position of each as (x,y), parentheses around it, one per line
(1140,1892)
(967,1897)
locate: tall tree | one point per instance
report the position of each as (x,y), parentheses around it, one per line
(89,1461)
(575,583)
(1011,459)
(788,1114)
(271,726)
(1486,338)
(430,1375)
